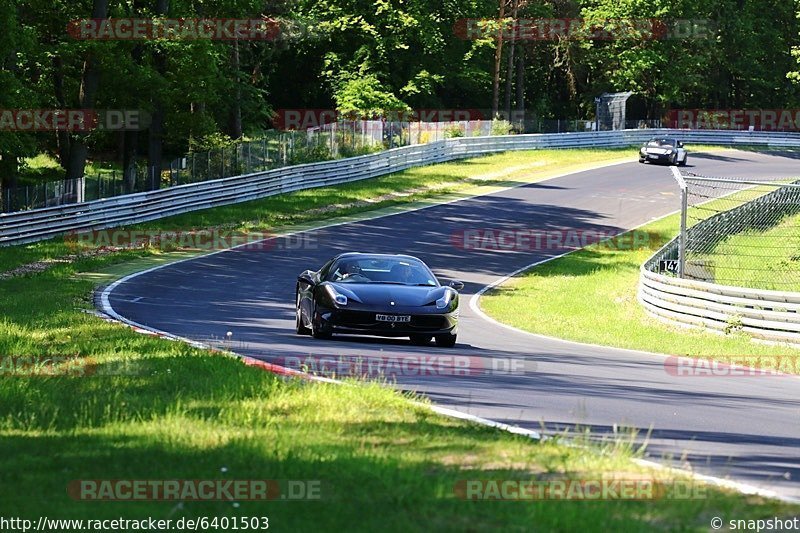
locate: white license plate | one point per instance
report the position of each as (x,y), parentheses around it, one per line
(651,156)
(393,318)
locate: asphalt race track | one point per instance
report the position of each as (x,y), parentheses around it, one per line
(744,428)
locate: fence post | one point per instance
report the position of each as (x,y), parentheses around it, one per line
(684,207)
(682,240)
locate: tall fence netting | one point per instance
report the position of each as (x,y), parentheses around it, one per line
(743,233)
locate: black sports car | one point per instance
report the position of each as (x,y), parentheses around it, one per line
(377,294)
(670,151)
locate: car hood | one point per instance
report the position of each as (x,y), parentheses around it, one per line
(380,294)
(658,147)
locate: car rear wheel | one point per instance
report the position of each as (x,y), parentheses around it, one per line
(420,340)
(446,341)
(299,327)
(685,159)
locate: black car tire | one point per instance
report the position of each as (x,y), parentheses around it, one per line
(299,327)
(318,332)
(446,341)
(683,163)
(420,340)
(641,160)
(674,159)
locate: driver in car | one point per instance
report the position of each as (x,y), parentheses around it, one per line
(351,269)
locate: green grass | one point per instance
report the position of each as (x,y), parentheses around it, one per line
(590,296)
(46,168)
(157,409)
(761,259)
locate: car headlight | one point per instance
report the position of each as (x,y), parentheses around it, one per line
(338,298)
(642,150)
(445,300)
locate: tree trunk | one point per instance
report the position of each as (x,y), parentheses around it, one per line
(8,181)
(90,81)
(62,136)
(155,140)
(130,140)
(498,57)
(155,148)
(521,87)
(235,116)
(510,66)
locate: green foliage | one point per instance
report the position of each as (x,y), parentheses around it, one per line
(210,142)
(377,58)
(366,97)
(453,131)
(501,127)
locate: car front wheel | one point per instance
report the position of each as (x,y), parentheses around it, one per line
(299,327)
(446,341)
(317,329)
(420,340)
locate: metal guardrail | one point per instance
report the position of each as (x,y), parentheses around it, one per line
(767,315)
(39,224)
(764,314)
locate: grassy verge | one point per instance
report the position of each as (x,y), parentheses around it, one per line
(155,409)
(590,296)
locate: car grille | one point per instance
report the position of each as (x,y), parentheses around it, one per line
(366,319)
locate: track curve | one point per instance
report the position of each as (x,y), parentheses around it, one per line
(747,429)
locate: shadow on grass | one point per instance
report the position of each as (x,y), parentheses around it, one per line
(359,482)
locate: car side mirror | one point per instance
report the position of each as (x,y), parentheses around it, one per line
(457,285)
(307,277)
(680,144)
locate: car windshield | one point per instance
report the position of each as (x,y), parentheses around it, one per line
(391,270)
(663,143)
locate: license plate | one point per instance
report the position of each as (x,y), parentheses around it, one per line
(393,318)
(651,156)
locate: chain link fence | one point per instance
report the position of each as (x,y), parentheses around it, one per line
(744,233)
(273,150)
(276,149)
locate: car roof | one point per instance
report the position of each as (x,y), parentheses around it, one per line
(366,254)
